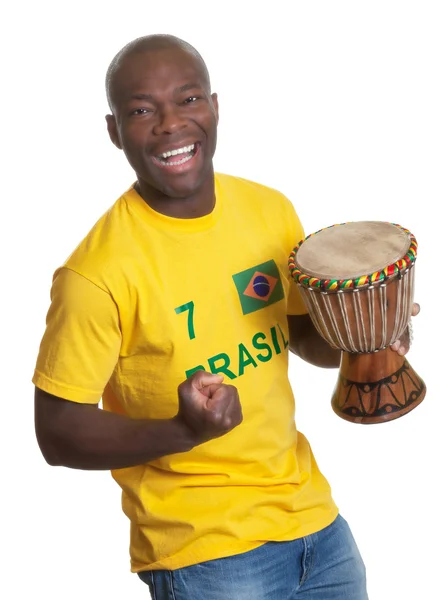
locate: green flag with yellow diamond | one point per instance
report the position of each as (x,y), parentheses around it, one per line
(259,286)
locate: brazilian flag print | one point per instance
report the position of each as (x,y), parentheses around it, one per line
(258,287)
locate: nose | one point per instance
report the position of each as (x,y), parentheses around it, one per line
(169,121)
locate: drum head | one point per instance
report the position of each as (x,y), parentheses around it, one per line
(351,250)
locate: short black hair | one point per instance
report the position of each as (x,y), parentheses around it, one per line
(151,42)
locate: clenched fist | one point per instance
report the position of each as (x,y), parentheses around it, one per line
(207,406)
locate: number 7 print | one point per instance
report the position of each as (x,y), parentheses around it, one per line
(189,306)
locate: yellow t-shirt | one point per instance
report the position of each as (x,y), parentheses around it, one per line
(147,299)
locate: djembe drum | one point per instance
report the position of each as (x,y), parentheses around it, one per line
(357,280)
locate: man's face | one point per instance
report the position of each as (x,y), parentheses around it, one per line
(165,120)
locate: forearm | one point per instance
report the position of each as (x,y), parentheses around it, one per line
(311,347)
(92,439)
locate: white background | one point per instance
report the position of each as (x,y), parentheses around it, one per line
(342,106)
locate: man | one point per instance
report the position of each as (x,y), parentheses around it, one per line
(178,311)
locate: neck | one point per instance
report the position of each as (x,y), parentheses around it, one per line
(192,206)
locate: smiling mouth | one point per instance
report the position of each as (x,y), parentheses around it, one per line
(177,157)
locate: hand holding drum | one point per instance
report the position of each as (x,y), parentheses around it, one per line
(357,280)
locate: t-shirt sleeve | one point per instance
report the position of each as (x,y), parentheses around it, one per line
(296,305)
(82,340)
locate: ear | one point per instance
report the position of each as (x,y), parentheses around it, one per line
(113,131)
(216,106)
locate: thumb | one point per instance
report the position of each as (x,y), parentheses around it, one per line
(202,379)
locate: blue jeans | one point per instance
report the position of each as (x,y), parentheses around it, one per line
(323,566)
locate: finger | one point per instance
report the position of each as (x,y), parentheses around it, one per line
(223,406)
(201,379)
(216,408)
(210,390)
(415,309)
(218,398)
(233,414)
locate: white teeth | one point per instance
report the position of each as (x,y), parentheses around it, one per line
(176,162)
(181,161)
(178,151)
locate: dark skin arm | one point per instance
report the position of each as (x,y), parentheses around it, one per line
(305,342)
(83,436)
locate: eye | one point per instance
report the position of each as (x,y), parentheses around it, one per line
(190,99)
(141,111)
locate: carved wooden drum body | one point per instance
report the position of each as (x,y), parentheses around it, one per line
(357,280)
